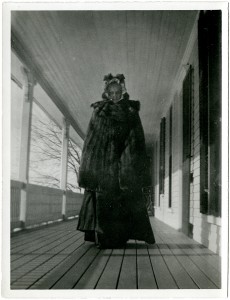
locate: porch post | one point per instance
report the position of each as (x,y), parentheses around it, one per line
(28,88)
(64,164)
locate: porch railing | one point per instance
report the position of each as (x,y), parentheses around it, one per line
(44,204)
(15,196)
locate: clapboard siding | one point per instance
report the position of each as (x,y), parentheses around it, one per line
(196,203)
(196,187)
(196,142)
(196,159)
(196,134)
(196,172)
(196,124)
(197,152)
(196,165)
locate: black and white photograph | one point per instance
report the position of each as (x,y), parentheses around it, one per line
(115,118)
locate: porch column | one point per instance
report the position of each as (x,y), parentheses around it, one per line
(64,164)
(28,88)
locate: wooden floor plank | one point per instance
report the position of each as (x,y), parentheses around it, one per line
(30,259)
(210,271)
(128,275)
(45,232)
(26,269)
(61,246)
(164,249)
(31,247)
(181,277)
(163,276)
(93,273)
(24,236)
(22,261)
(49,280)
(145,273)
(212,259)
(30,278)
(69,280)
(157,240)
(110,276)
(14,257)
(33,238)
(57,243)
(72,247)
(197,275)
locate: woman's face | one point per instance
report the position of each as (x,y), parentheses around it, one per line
(115,92)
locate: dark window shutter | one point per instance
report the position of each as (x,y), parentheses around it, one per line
(187,119)
(215,112)
(203,93)
(162,157)
(209,42)
(170,157)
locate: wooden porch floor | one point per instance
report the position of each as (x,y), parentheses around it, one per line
(56,257)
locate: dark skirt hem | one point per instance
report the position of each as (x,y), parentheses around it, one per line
(112,220)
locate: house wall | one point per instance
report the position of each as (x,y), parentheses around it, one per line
(163,211)
(206,229)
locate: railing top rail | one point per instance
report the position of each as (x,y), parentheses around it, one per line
(19,184)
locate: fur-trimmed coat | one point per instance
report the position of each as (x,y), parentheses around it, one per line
(114,155)
(114,167)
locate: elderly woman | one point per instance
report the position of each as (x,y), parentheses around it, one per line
(113,170)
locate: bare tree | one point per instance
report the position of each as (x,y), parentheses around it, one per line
(46,147)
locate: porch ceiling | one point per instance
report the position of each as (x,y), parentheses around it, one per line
(71,51)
